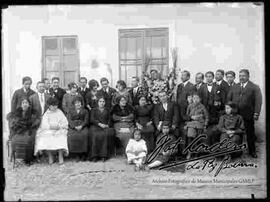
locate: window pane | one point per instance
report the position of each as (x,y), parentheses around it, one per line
(131,71)
(69,45)
(69,76)
(70,62)
(51,46)
(52,63)
(123,72)
(156,47)
(131,48)
(122,50)
(51,74)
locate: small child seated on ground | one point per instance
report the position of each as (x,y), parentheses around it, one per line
(136,150)
(164,154)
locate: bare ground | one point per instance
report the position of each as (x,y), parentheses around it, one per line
(115,179)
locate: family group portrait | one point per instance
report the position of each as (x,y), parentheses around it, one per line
(143,101)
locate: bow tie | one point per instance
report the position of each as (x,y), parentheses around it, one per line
(210,84)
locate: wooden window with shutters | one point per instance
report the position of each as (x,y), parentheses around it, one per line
(138,45)
(60,58)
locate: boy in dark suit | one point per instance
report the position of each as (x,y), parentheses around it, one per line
(83,90)
(107,92)
(230,77)
(56,91)
(135,90)
(223,86)
(248,97)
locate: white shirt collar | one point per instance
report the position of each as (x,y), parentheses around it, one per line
(165,105)
(244,84)
(218,82)
(185,83)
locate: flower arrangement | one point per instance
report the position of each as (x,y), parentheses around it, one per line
(153,87)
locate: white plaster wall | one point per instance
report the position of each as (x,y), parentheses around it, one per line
(208,38)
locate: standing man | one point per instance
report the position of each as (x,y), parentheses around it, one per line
(47,85)
(135,90)
(56,91)
(107,92)
(183,90)
(199,83)
(223,86)
(248,97)
(25,91)
(38,100)
(82,90)
(211,99)
(230,77)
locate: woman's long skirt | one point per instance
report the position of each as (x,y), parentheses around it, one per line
(101,141)
(78,140)
(123,131)
(148,136)
(23,146)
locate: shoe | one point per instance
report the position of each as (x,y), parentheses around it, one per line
(104,159)
(253,155)
(94,159)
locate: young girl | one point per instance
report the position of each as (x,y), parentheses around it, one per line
(52,133)
(165,154)
(231,125)
(198,119)
(136,150)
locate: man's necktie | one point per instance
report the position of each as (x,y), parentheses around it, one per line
(41,98)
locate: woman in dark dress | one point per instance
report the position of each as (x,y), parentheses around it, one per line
(101,132)
(78,119)
(143,120)
(123,118)
(91,95)
(24,122)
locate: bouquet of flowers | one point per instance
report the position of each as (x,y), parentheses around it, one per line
(153,87)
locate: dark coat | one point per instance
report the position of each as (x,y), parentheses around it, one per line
(135,97)
(78,119)
(36,105)
(83,93)
(59,94)
(171,115)
(224,90)
(181,98)
(108,96)
(249,101)
(18,94)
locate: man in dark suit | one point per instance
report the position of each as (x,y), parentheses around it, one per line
(165,111)
(47,84)
(199,79)
(83,90)
(107,92)
(212,100)
(223,85)
(135,90)
(183,90)
(25,91)
(38,100)
(230,77)
(248,97)
(56,91)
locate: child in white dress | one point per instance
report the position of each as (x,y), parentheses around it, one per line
(136,150)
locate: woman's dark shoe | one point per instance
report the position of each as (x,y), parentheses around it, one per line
(104,159)
(94,159)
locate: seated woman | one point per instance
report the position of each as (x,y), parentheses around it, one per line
(143,120)
(67,103)
(123,117)
(78,119)
(24,122)
(121,91)
(101,132)
(52,133)
(136,150)
(163,155)
(231,125)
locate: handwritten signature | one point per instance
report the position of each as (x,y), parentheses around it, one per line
(224,147)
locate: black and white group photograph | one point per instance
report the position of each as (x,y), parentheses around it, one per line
(134,101)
